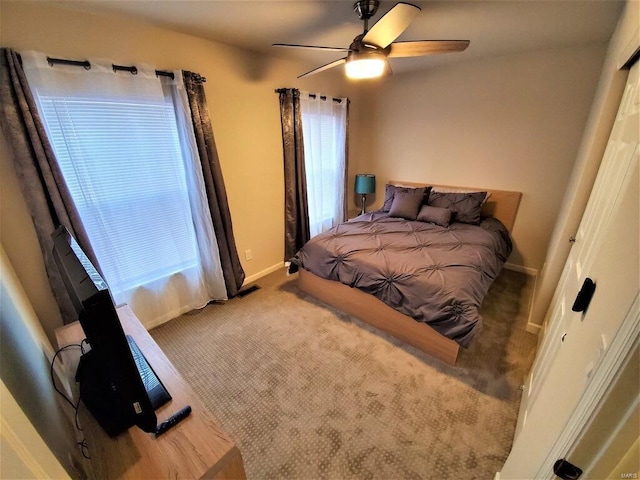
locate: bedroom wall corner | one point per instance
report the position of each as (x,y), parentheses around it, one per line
(25,370)
(19,240)
(528,309)
(24,452)
(593,143)
(363,111)
(512,122)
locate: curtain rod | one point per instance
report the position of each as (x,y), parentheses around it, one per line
(133,70)
(312,95)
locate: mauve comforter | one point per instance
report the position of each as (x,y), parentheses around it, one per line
(434,274)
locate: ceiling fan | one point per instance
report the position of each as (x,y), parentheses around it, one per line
(367,55)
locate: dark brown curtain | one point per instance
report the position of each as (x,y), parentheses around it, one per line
(214,183)
(44,190)
(296,208)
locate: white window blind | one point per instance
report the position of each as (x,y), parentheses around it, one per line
(122,163)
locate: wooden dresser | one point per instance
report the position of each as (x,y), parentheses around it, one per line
(197,447)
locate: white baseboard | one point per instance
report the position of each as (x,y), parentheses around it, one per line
(533,328)
(522,269)
(263,273)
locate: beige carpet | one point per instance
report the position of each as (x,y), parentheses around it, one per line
(311,393)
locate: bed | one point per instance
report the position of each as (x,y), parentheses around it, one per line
(419,267)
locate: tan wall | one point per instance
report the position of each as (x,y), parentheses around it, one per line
(18,237)
(245,113)
(511,123)
(477,124)
(243,105)
(605,106)
(24,369)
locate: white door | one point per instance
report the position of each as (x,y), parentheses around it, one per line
(575,344)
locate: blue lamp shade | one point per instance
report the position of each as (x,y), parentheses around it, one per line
(365,183)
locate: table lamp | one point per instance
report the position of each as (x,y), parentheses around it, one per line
(365,184)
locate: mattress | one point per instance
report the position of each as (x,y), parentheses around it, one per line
(436,275)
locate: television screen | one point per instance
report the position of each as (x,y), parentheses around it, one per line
(110,384)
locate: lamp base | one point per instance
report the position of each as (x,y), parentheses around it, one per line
(364,200)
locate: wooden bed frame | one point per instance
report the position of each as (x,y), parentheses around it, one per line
(502,205)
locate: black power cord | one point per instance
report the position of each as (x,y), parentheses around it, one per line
(82,445)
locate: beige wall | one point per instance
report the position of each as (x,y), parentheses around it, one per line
(611,454)
(24,369)
(511,123)
(240,92)
(243,105)
(18,236)
(245,113)
(605,106)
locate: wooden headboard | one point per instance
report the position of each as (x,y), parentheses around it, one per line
(502,204)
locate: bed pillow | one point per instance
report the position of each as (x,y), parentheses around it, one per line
(460,190)
(465,206)
(391,190)
(439,216)
(406,205)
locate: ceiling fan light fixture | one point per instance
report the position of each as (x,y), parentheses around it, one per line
(367,55)
(361,66)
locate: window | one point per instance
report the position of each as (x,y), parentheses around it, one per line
(126,149)
(121,161)
(324,126)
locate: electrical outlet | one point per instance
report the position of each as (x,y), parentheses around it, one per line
(248,255)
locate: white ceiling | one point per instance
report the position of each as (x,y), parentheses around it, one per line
(494,27)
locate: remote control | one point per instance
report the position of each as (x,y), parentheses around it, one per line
(173,420)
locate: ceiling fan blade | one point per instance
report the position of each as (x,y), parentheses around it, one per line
(312,47)
(426,47)
(323,68)
(391,25)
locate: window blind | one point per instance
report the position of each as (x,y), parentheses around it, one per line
(122,163)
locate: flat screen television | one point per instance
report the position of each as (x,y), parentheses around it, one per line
(111,385)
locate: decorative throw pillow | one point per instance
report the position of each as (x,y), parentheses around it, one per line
(406,205)
(439,216)
(466,206)
(391,190)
